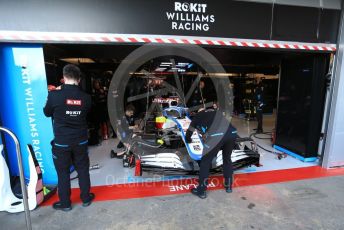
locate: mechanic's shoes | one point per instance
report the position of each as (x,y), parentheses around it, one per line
(114,154)
(88,203)
(228,189)
(58,206)
(228,182)
(200,194)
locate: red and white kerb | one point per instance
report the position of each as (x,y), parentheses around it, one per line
(61,37)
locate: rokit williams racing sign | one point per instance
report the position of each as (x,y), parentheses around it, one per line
(190,17)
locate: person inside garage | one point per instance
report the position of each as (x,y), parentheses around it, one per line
(130,121)
(259,99)
(68,108)
(217,134)
(198,98)
(100,98)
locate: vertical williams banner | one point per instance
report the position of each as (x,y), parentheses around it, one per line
(23,92)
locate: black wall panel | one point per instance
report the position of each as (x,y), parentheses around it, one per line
(295,23)
(245,19)
(300,104)
(233,19)
(329,24)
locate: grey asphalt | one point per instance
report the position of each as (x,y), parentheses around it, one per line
(308,204)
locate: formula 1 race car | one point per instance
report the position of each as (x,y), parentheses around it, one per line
(170,154)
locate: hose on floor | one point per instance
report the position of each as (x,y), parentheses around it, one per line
(92,167)
(280,155)
(262,138)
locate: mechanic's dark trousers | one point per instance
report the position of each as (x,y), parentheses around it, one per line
(64,156)
(227,145)
(120,145)
(259,115)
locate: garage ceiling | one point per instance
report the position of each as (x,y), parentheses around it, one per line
(100,58)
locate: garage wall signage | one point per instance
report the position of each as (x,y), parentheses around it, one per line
(190,16)
(23,93)
(201,18)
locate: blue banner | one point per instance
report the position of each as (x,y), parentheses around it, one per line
(23,93)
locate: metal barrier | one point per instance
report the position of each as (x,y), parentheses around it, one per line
(21,176)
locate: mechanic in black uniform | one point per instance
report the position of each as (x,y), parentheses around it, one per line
(69,107)
(198,97)
(259,98)
(100,99)
(217,134)
(130,121)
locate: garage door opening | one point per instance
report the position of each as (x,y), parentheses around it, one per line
(294,97)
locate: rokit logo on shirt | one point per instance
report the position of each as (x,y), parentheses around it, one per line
(73,113)
(73,102)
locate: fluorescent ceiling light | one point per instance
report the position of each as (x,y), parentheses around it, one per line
(183,63)
(50,63)
(77,60)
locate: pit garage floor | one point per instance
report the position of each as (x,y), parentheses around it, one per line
(298,205)
(297,199)
(111,171)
